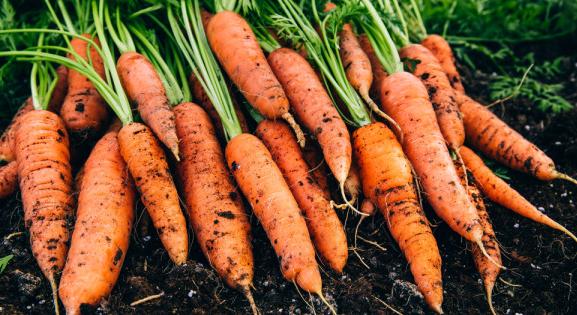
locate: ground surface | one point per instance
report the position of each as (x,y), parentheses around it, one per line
(542,263)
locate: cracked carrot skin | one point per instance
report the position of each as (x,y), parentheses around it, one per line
(441,93)
(83,110)
(405,99)
(314,108)
(8,179)
(215,207)
(148,166)
(272,202)
(45,179)
(102,231)
(324,226)
(144,87)
(442,50)
(239,53)
(388,183)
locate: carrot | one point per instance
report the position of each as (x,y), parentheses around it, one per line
(492,136)
(214,206)
(144,87)
(501,193)
(442,95)
(378,71)
(83,109)
(442,50)
(60,89)
(324,225)
(102,230)
(314,108)
(317,167)
(355,61)
(148,166)
(42,153)
(8,179)
(238,50)
(387,181)
(7,141)
(353,183)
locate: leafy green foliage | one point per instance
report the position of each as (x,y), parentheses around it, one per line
(4,262)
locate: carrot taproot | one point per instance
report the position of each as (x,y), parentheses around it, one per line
(60,89)
(236,47)
(353,183)
(263,184)
(324,226)
(8,179)
(498,191)
(442,95)
(405,98)
(442,50)
(387,182)
(214,206)
(83,109)
(317,166)
(314,108)
(7,141)
(492,136)
(102,231)
(144,87)
(147,164)
(44,173)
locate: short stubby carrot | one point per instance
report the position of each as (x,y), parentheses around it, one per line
(144,87)
(406,100)
(379,73)
(442,95)
(324,226)
(83,109)
(263,185)
(215,207)
(492,136)
(8,139)
(8,179)
(388,183)
(239,52)
(314,108)
(102,231)
(60,90)
(148,166)
(45,178)
(498,191)
(442,50)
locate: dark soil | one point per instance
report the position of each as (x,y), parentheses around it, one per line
(541,262)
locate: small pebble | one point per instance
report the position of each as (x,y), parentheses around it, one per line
(527,127)
(558,143)
(146,238)
(541,209)
(516,225)
(191,293)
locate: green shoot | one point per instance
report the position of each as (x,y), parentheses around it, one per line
(42,81)
(4,262)
(241,6)
(120,36)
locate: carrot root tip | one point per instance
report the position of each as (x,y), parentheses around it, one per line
(296,128)
(347,202)
(437,309)
(54,294)
(248,294)
(375,108)
(489,292)
(566,177)
(322,297)
(482,247)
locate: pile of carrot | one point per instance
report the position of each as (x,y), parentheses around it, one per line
(385,134)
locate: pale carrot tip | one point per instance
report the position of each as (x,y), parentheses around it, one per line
(176,153)
(296,128)
(566,177)
(248,294)
(437,309)
(482,247)
(322,297)
(54,294)
(347,202)
(489,292)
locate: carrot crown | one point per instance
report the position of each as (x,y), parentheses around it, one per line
(323,49)
(191,40)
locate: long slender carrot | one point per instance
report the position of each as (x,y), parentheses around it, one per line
(83,110)
(388,183)
(323,223)
(442,50)
(238,50)
(102,230)
(8,179)
(501,193)
(147,163)
(442,95)
(214,205)
(314,108)
(7,141)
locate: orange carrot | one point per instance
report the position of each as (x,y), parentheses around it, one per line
(353,183)
(7,141)
(102,230)
(442,50)
(314,108)
(263,184)
(317,167)
(8,179)
(442,95)
(214,206)
(60,90)
(405,98)
(387,181)
(238,50)
(83,109)
(323,223)
(501,193)
(379,73)
(355,61)
(148,166)
(144,87)
(42,153)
